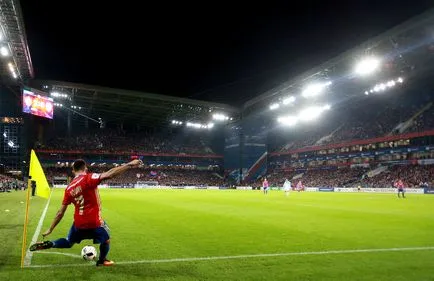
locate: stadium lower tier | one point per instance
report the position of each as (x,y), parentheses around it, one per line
(149,176)
(376,177)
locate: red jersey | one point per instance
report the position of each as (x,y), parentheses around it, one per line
(399,184)
(83,193)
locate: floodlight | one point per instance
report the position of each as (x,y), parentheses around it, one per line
(367,66)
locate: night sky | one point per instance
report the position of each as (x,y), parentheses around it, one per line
(225,52)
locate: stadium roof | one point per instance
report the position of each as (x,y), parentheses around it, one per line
(125,105)
(405,51)
(13,43)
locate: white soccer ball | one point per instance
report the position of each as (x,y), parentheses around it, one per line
(89,253)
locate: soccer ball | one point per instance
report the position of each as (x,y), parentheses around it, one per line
(89,253)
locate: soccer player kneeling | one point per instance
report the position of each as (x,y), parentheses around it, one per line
(88,223)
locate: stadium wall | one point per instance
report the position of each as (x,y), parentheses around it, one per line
(136,186)
(365,190)
(245,155)
(307,189)
(232,152)
(254,152)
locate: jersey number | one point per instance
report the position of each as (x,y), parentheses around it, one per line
(80,202)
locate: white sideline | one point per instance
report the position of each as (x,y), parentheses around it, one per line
(29,255)
(247,256)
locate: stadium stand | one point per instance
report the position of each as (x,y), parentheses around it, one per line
(380,119)
(165,176)
(424,121)
(343,154)
(8,183)
(412,176)
(116,141)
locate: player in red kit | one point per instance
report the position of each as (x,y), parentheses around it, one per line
(300,186)
(88,223)
(400,186)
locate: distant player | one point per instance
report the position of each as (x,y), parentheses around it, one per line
(265,186)
(287,187)
(400,187)
(88,223)
(300,186)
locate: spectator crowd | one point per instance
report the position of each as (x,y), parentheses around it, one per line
(119,141)
(359,124)
(167,176)
(400,115)
(411,175)
(8,183)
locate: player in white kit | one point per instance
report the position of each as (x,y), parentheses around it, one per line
(287,187)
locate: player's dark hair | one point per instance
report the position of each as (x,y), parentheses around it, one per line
(79,165)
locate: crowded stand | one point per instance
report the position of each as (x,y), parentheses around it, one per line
(120,141)
(343,177)
(303,139)
(412,175)
(163,176)
(424,121)
(8,183)
(368,126)
(332,178)
(328,167)
(379,120)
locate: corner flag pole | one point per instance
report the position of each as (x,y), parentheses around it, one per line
(26,220)
(36,176)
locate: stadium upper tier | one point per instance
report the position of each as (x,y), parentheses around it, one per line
(113,141)
(403,114)
(399,116)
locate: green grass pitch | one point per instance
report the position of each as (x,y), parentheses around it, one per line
(150,226)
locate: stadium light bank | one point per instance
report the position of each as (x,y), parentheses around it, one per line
(383,86)
(310,91)
(316,89)
(306,115)
(5,52)
(220,117)
(367,66)
(59,95)
(200,126)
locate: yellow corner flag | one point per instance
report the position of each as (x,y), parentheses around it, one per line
(37,175)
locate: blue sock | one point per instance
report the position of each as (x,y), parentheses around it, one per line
(104,248)
(61,243)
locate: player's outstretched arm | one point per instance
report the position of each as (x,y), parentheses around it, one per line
(120,170)
(56,220)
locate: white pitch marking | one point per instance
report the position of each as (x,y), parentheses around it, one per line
(29,255)
(331,252)
(59,253)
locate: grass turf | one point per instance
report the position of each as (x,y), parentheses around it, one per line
(166,224)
